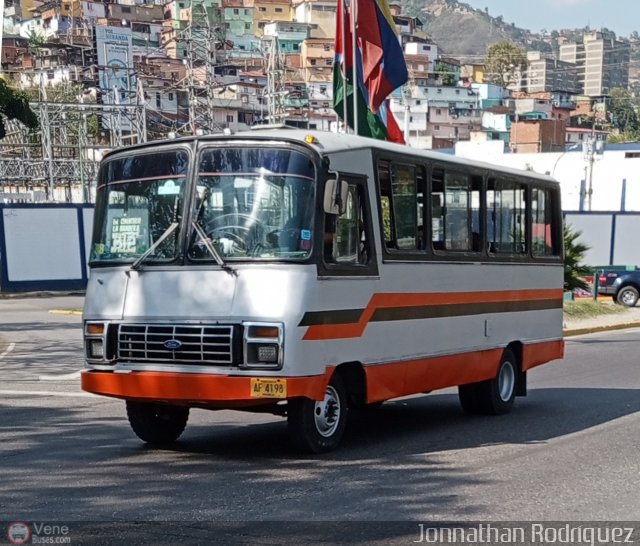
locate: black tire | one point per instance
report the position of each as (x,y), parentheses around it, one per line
(628,296)
(157,423)
(495,396)
(317,427)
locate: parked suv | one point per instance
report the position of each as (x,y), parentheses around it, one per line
(622,286)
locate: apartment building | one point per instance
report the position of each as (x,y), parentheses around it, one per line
(316,60)
(545,73)
(318,12)
(601,60)
(266,11)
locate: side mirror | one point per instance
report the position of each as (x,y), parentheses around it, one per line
(335,196)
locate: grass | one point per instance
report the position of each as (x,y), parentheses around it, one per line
(590,309)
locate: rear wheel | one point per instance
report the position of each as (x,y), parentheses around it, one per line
(494,396)
(628,296)
(317,427)
(157,423)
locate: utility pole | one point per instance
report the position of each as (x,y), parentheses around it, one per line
(592,149)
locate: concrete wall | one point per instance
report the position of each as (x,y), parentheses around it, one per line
(44,247)
(611,236)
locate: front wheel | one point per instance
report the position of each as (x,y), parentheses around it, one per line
(628,296)
(317,427)
(157,423)
(495,396)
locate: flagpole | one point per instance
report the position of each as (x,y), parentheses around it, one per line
(345,96)
(354,15)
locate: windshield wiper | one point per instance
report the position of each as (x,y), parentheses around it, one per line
(212,250)
(138,263)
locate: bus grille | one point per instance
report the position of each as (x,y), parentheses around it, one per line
(186,344)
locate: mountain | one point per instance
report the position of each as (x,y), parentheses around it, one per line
(463,31)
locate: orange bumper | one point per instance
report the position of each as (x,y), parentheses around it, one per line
(217,390)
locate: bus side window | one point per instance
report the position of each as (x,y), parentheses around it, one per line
(543,233)
(401,203)
(455,211)
(506,213)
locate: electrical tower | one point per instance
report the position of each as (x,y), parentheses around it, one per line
(204,41)
(275,68)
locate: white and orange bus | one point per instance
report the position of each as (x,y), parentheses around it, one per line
(307,273)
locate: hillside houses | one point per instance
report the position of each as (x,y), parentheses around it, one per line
(229,64)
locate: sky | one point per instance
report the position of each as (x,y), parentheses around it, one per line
(621,16)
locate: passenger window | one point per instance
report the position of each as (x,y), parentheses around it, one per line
(506,217)
(402,205)
(455,210)
(542,229)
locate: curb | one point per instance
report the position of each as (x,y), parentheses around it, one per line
(595,329)
(18,295)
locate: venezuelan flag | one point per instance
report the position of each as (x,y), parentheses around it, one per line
(383,64)
(380,124)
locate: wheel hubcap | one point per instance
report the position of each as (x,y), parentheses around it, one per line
(506,381)
(627,297)
(327,413)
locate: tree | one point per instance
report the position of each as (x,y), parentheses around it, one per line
(14,104)
(445,75)
(506,62)
(574,251)
(623,111)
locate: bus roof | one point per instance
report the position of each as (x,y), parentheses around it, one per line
(325,142)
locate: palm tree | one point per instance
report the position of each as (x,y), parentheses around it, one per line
(574,251)
(14,104)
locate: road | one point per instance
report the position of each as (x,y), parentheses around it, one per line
(569,451)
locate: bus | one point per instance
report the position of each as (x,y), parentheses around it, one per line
(309,273)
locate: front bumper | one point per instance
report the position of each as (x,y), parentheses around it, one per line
(196,389)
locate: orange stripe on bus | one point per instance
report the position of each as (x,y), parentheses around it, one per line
(395,300)
(428,374)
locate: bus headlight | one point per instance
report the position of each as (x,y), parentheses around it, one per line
(96,349)
(95,342)
(263,345)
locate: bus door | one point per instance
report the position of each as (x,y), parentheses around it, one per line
(347,245)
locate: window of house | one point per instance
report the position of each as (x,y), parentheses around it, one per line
(236,11)
(278,10)
(171,96)
(158,100)
(247,26)
(229,118)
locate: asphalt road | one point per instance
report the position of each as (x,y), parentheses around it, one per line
(569,451)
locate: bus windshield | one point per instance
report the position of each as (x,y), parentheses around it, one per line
(139,206)
(253,203)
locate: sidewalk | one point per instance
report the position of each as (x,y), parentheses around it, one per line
(629,318)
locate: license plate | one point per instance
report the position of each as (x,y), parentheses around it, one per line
(268,388)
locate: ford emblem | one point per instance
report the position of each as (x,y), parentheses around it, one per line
(172,344)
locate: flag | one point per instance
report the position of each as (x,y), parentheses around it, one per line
(381,124)
(384,67)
